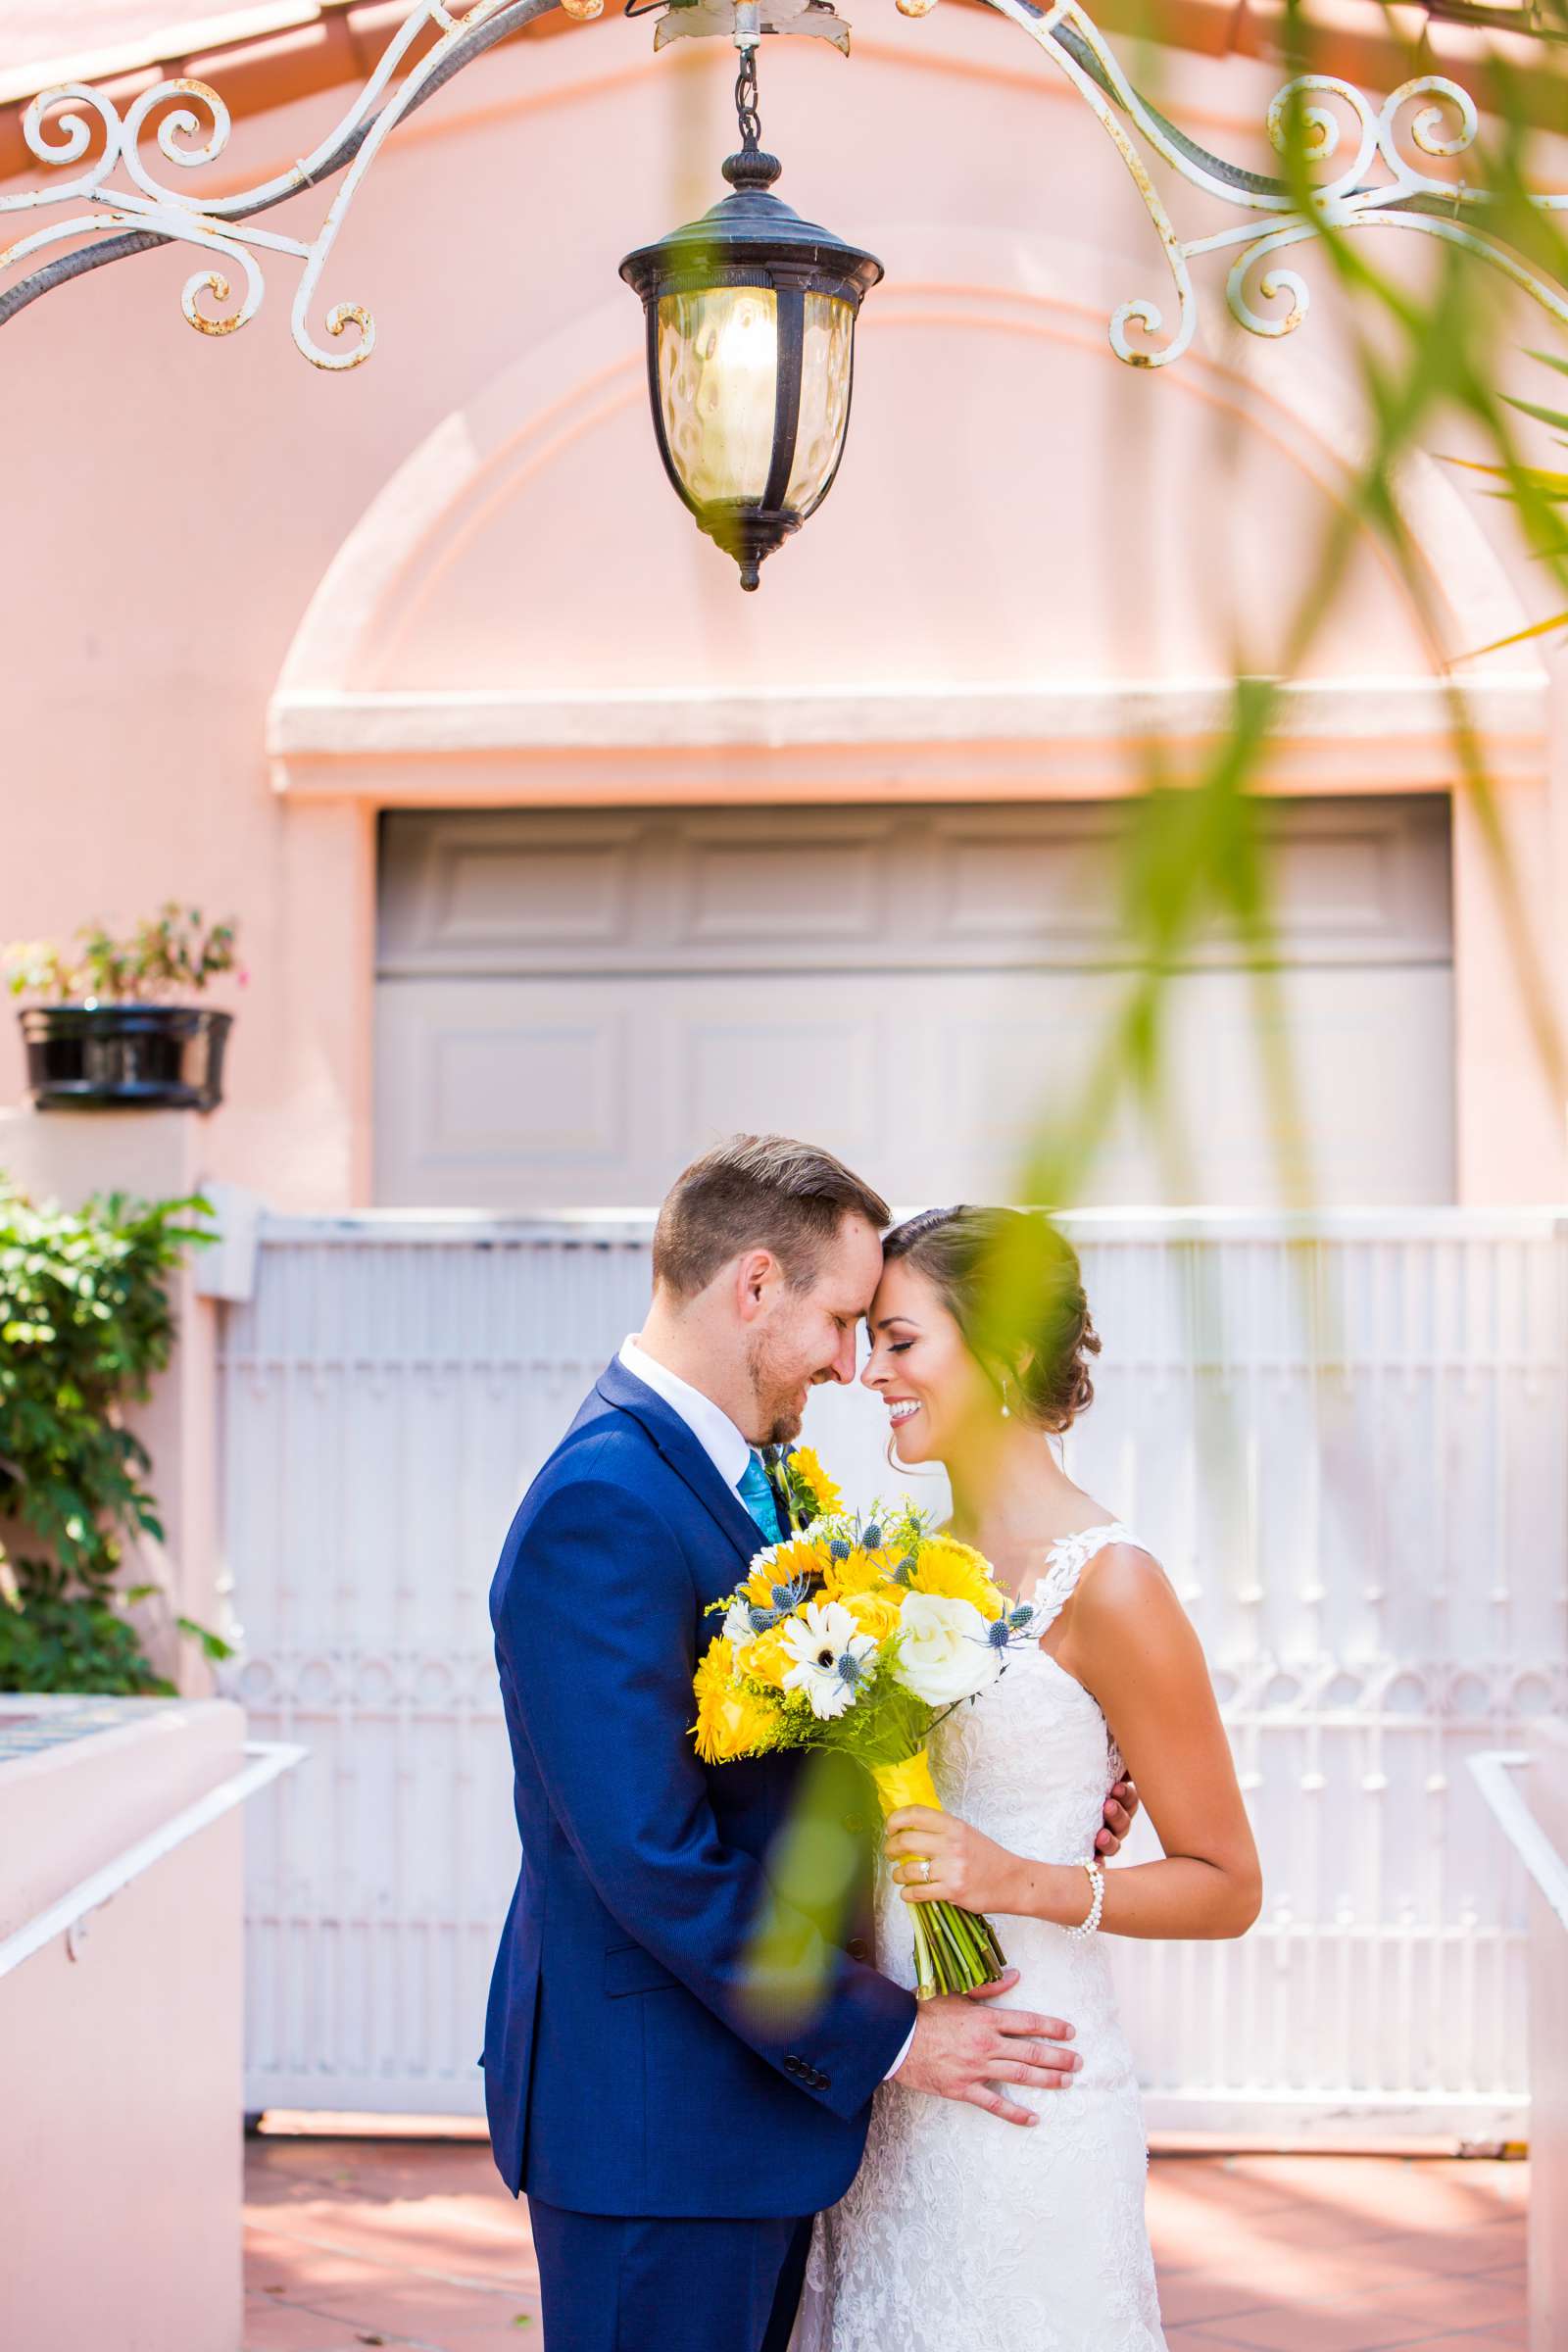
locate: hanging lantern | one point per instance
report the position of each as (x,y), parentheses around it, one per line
(751,353)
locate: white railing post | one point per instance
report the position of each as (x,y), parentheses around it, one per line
(1547,1784)
(1532,1815)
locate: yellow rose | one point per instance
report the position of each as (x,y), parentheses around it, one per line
(953,1570)
(767,1659)
(875,1613)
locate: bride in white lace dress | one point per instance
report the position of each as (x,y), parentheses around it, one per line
(960,2230)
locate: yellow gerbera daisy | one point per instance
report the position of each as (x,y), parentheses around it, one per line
(862,1572)
(956,1572)
(731,1721)
(788,1563)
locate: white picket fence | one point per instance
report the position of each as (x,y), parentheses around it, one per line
(1347,1445)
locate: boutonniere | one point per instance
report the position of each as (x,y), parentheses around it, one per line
(808,1491)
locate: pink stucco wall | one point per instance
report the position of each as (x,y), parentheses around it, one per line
(1016,507)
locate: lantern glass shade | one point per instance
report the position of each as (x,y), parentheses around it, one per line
(750,321)
(717,364)
(826,362)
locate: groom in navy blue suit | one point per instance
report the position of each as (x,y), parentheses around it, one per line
(673,2133)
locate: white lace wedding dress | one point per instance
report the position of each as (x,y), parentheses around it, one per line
(960,2229)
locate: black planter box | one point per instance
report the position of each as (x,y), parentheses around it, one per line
(124,1056)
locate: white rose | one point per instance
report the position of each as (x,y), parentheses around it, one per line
(946,1652)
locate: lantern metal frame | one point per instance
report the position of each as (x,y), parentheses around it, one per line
(1383,185)
(750,239)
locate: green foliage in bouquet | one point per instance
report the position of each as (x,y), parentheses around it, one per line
(85,1323)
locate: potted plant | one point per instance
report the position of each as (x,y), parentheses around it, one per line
(105,1029)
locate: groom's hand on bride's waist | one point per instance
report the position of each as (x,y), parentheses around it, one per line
(966,2045)
(1120,1807)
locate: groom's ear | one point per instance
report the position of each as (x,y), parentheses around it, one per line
(756,1275)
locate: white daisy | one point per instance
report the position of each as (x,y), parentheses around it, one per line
(830,1656)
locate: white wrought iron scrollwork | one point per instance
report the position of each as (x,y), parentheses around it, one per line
(189,125)
(1379,187)
(121,205)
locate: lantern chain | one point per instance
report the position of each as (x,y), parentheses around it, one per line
(746,102)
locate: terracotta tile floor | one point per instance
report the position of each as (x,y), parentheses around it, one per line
(415,2244)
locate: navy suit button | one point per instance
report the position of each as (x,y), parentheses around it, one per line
(821,2082)
(794,2066)
(857,1948)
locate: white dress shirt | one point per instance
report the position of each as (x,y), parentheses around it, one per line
(726,1446)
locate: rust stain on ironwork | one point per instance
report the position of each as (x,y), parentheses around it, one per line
(219,289)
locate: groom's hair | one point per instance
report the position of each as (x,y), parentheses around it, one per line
(757,1191)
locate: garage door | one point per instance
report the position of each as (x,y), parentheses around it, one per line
(570,1004)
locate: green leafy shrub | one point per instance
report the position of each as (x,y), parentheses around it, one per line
(85,1323)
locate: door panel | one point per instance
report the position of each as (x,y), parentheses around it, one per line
(570,1009)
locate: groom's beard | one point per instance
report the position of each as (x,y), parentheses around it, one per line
(778,1414)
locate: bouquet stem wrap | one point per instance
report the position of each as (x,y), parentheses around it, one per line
(955,1950)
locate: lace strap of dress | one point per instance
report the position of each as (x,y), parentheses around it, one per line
(1065,1563)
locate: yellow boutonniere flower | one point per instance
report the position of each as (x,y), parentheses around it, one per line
(805,1466)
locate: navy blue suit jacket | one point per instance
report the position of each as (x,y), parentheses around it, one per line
(628,2067)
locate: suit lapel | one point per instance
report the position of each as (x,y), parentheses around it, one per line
(684,1454)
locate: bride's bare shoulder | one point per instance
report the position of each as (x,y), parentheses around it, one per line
(1123,1578)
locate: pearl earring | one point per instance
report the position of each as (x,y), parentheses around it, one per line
(1007,1409)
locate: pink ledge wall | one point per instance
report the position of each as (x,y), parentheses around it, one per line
(1015,505)
(121,2154)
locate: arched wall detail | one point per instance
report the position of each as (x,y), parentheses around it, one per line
(323,722)
(337,744)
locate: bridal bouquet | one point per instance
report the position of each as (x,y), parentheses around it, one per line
(861,1631)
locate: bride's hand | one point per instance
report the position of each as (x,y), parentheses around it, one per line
(965,1866)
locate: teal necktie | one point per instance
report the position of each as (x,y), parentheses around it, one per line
(757,1493)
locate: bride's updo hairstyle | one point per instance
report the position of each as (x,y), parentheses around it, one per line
(1011,1282)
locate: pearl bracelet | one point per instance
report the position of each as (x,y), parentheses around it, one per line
(1096,1880)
